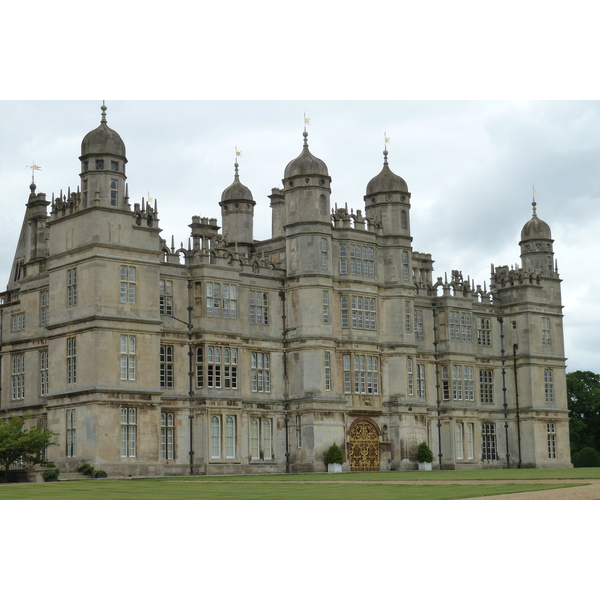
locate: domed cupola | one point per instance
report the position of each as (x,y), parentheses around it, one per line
(536,245)
(308,167)
(103,140)
(103,163)
(237,212)
(237,190)
(307,189)
(386,182)
(387,201)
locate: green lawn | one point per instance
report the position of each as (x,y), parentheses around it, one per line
(345,486)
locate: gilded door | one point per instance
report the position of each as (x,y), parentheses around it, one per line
(364,447)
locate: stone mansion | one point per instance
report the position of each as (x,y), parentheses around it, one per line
(236,355)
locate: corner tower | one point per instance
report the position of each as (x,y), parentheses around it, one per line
(537,254)
(237,212)
(307,189)
(387,201)
(103,163)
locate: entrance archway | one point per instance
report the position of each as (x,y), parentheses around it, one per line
(364,447)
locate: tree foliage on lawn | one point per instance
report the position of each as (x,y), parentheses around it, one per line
(18,443)
(583,392)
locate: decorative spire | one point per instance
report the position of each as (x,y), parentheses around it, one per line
(103,109)
(385,155)
(33,168)
(534,203)
(236,165)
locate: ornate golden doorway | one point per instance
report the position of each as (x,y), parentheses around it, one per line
(364,447)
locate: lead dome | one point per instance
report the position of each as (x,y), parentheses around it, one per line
(386,181)
(305,164)
(535,228)
(103,140)
(237,190)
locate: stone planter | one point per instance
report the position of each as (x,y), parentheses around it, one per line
(424,466)
(334,468)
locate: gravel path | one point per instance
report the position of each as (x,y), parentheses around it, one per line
(580,492)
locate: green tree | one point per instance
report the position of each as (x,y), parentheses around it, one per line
(583,391)
(18,443)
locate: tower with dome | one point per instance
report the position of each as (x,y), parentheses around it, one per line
(235,355)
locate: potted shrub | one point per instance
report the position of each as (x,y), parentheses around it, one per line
(424,457)
(51,475)
(100,474)
(334,459)
(86,469)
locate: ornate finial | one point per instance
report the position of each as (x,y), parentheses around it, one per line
(236,165)
(33,168)
(385,155)
(534,203)
(103,109)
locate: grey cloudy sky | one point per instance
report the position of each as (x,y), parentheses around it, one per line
(470,166)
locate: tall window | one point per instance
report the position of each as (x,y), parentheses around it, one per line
(421,389)
(199,367)
(44,307)
(128,357)
(44,373)
(551,432)
(166,297)
(483,332)
(445,382)
(114,189)
(18,376)
(407,317)
(72,287)
(229,437)
(411,382)
(488,441)
(327,366)
(464,441)
(405,265)
(548,385)
(71,429)
(486,386)
(215,437)
(462,383)
(418,324)
(459,326)
(364,312)
(167,436)
(127,284)
(325,307)
(267,437)
(259,308)
(128,432)
(221,300)
(343,259)
(459,441)
(323,253)
(261,372)
(254,439)
(361,374)
(166,366)
(71,360)
(546,340)
(298,431)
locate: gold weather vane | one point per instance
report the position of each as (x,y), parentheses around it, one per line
(386,139)
(306,121)
(534,203)
(237,153)
(33,168)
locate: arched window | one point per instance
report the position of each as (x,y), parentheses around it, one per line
(404,219)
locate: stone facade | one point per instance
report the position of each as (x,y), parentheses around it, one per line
(241,356)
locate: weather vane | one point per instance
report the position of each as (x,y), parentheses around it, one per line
(306,121)
(33,168)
